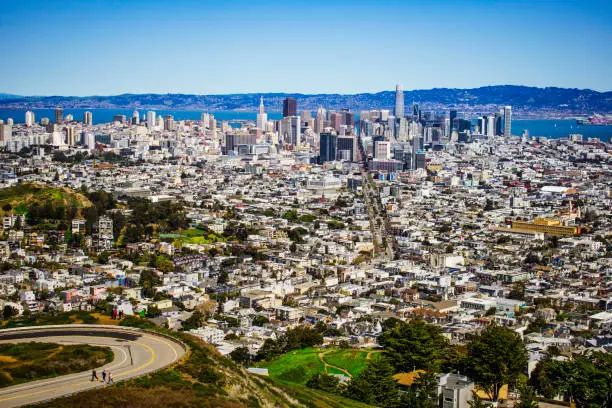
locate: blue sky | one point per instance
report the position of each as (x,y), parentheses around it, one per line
(90,47)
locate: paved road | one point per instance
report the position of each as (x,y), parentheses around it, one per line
(136,353)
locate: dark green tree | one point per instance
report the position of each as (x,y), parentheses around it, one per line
(496,357)
(260,320)
(414,345)
(528,398)
(324,382)
(8,312)
(375,385)
(423,393)
(241,355)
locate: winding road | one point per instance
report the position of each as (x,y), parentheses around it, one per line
(137,352)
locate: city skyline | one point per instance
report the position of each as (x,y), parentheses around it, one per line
(251,47)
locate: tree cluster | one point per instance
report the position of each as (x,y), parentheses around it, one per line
(294,339)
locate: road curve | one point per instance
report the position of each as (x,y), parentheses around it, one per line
(137,352)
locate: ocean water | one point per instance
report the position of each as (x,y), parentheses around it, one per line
(550,128)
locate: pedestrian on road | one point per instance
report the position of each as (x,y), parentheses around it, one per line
(104,376)
(94,375)
(110,378)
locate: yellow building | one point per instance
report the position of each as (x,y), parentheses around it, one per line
(550,226)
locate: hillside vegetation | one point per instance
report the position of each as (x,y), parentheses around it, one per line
(23,362)
(22,197)
(202,379)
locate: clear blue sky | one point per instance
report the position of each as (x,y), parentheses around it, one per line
(87,47)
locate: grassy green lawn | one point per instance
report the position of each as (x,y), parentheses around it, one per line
(353,361)
(194,236)
(23,362)
(298,366)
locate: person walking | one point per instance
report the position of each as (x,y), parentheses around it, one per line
(111,380)
(104,376)
(94,376)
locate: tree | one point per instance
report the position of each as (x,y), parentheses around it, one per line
(103,258)
(414,345)
(324,382)
(8,312)
(193,322)
(423,393)
(518,291)
(496,357)
(585,380)
(7,207)
(528,398)
(241,355)
(260,320)
(375,385)
(268,350)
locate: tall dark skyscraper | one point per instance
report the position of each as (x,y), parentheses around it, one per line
(416,111)
(289,107)
(59,115)
(452,117)
(328,144)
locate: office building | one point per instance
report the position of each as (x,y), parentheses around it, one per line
(151,119)
(289,107)
(336,120)
(328,144)
(135,118)
(59,115)
(305,118)
(29,118)
(382,150)
(347,144)
(234,141)
(6,131)
(452,123)
(88,118)
(318,123)
(168,122)
(416,112)
(399,101)
(70,136)
(262,117)
(490,126)
(507,121)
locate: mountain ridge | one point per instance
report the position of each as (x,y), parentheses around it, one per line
(522,98)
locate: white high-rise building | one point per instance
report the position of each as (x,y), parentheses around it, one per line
(136,117)
(490,126)
(507,121)
(29,118)
(151,119)
(399,101)
(90,141)
(87,118)
(212,126)
(262,117)
(205,118)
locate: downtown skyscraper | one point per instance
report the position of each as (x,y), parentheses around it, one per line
(507,121)
(399,101)
(289,107)
(262,117)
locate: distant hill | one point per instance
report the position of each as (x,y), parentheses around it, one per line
(9,96)
(522,98)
